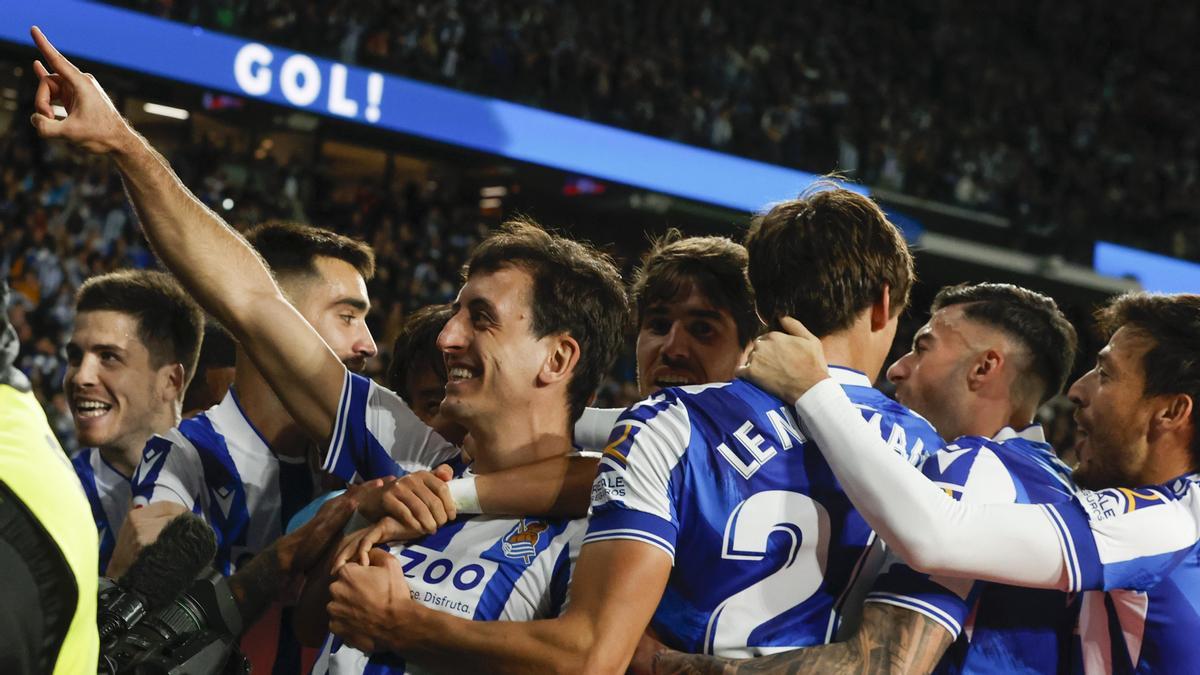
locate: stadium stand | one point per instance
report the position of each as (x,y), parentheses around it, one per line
(907,97)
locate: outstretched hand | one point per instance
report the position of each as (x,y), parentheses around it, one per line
(786,364)
(92,122)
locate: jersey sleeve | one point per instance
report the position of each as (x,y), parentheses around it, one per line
(376,434)
(1128,539)
(170,471)
(632,494)
(971,474)
(594,425)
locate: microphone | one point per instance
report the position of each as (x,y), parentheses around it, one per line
(161,572)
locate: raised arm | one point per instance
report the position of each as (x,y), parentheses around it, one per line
(1014,544)
(210,259)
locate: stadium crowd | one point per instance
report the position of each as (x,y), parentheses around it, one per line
(931,99)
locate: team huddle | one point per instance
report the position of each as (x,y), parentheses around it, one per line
(764,508)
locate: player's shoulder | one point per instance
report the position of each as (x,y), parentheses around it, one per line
(1182,493)
(81,461)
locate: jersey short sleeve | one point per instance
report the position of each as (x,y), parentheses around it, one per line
(631,496)
(170,471)
(971,474)
(1130,539)
(376,434)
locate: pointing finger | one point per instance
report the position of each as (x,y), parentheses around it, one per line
(55,59)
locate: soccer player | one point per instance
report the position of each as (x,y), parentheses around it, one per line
(1137,426)
(989,356)
(132,351)
(245,464)
(695,318)
(524,351)
(417,372)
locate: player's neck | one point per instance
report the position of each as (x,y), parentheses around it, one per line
(265,411)
(845,349)
(125,454)
(519,437)
(987,417)
(1167,458)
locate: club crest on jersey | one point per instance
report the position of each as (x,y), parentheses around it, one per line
(521,542)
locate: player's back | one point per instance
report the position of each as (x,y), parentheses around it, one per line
(766,546)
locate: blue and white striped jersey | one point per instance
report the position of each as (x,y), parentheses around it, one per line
(218,466)
(998,628)
(376,435)
(1143,546)
(769,554)
(484,568)
(108,493)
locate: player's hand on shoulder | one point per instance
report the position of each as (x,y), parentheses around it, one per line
(92,121)
(420,500)
(786,363)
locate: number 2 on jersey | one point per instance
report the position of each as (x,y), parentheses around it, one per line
(747,532)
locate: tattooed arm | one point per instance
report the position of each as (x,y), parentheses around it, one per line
(267,575)
(890,640)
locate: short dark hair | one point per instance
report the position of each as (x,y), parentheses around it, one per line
(292,248)
(716,265)
(170,323)
(1172,323)
(823,258)
(417,344)
(577,290)
(1031,319)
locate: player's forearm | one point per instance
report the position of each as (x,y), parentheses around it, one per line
(1007,543)
(560,487)
(459,645)
(211,260)
(890,640)
(257,584)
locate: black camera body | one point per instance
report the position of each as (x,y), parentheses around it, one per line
(196,633)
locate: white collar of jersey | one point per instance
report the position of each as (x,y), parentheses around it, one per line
(1033,433)
(849,376)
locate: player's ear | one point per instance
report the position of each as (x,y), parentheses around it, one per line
(1175,413)
(986,366)
(560,361)
(881,309)
(172,381)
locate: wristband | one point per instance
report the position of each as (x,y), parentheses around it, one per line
(465,496)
